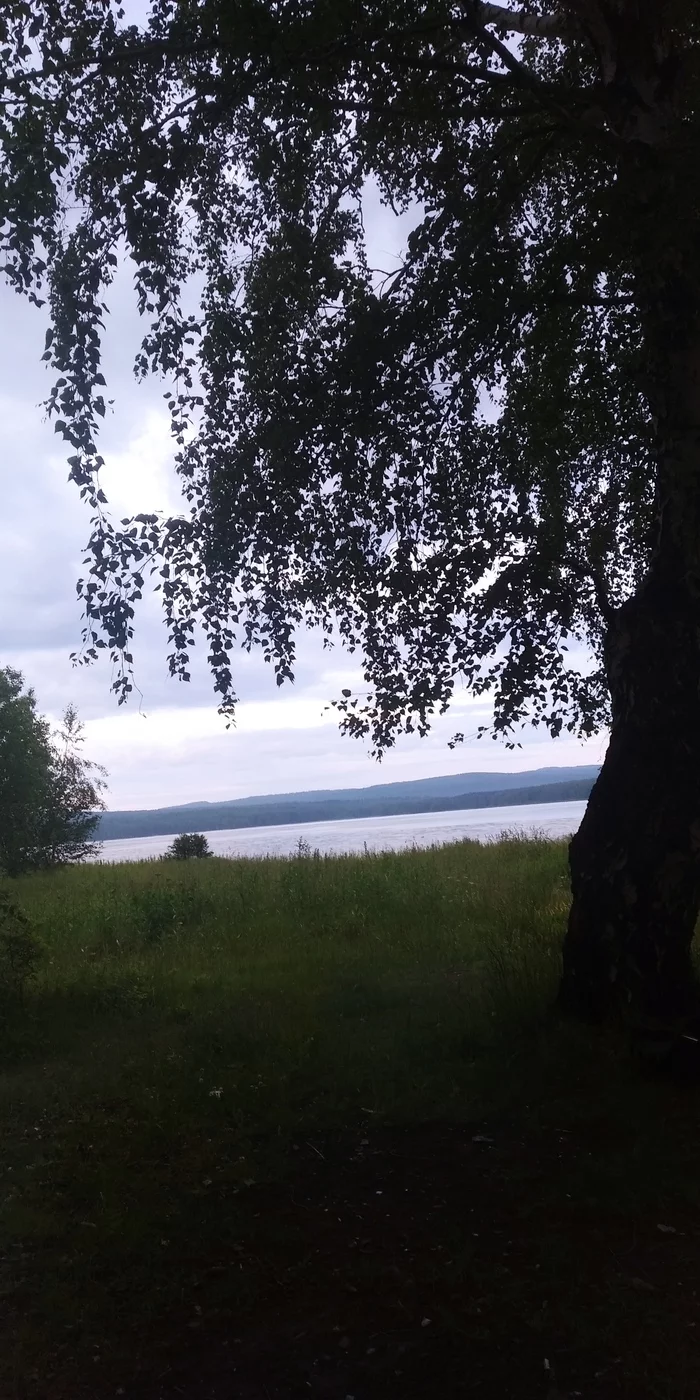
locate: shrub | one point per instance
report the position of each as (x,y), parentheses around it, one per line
(304,851)
(20,951)
(154,913)
(189,845)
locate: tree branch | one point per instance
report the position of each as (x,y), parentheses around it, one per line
(554,26)
(564,105)
(591,573)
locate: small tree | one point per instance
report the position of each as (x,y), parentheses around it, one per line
(189,845)
(50,794)
(76,800)
(25,769)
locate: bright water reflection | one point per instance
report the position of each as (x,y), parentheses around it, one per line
(555,819)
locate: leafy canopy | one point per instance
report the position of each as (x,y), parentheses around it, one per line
(448,463)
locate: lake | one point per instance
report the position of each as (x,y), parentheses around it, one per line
(555,819)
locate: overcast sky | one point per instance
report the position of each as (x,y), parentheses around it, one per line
(176,748)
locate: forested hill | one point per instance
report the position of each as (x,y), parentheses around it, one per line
(451,793)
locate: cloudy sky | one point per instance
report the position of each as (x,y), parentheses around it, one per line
(171,746)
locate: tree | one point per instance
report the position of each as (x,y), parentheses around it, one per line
(75,798)
(340,460)
(25,766)
(50,795)
(189,845)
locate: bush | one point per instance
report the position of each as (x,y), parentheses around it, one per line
(303,850)
(20,951)
(191,844)
(154,913)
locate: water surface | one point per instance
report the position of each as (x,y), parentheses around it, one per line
(555,819)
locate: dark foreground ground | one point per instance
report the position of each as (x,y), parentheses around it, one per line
(436,1261)
(284,1129)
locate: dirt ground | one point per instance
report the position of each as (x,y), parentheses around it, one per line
(475,1261)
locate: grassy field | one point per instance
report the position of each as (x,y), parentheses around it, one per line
(227,1075)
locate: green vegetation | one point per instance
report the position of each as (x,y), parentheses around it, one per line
(244,971)
(204,1053)
(50,794)
(191,845)
(20,952)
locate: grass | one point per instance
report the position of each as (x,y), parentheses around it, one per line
(208,1041)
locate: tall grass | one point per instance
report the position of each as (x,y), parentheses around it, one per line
(288,982)
(196,1028)
(190,1020)
(248,1000)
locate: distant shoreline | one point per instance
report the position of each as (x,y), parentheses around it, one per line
(116,826)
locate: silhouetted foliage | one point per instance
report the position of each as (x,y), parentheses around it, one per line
(188,846)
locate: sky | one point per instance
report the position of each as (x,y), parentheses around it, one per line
(170,745)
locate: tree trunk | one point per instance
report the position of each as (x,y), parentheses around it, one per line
(635,861)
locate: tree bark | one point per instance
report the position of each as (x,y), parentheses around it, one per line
(635,861)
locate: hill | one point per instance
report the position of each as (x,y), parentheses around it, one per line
(453,792)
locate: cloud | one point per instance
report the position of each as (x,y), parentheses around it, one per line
(140,475)
(286,746)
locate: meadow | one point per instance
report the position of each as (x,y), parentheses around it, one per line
(226,1075)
